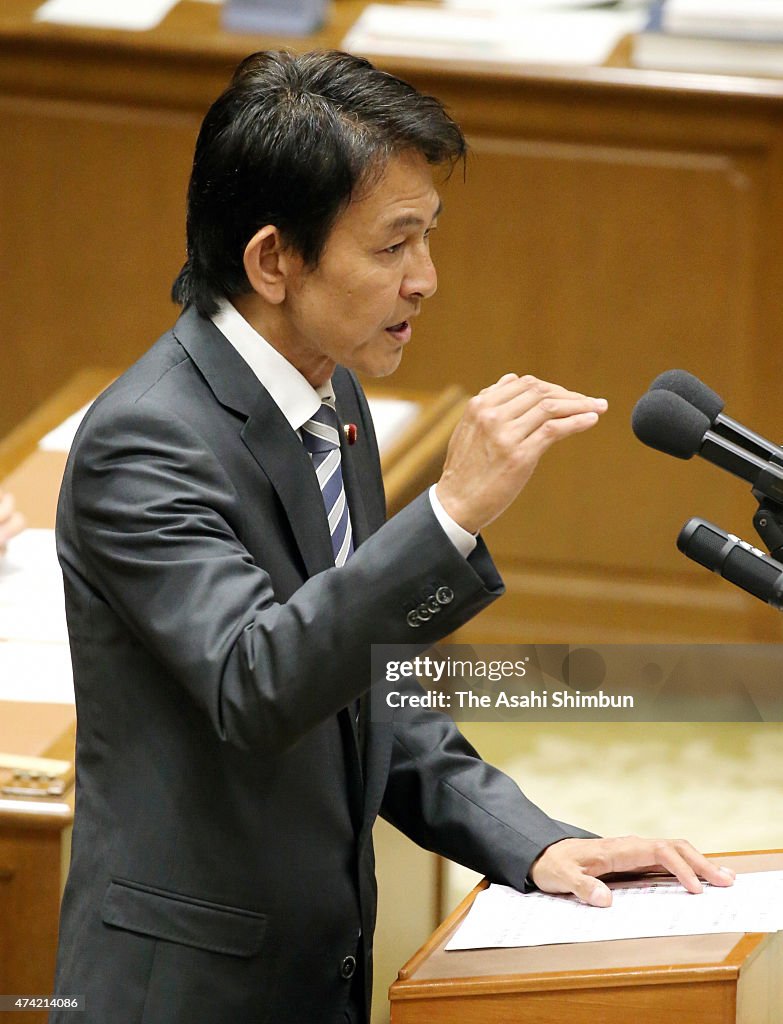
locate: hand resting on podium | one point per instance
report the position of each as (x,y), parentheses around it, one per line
(577,865)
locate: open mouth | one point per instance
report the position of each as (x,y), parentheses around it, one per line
(400,330)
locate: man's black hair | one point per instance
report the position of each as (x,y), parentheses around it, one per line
(290,142)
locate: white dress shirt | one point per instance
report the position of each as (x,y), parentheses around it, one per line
(298,400)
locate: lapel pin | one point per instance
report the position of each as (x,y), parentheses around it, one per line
(351,433)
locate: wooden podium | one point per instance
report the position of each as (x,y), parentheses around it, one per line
(34,849)
(696,979)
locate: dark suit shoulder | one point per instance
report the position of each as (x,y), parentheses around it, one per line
(148,371)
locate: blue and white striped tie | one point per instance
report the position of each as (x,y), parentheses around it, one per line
(321,437)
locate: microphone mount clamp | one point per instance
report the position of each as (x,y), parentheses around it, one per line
(768,520)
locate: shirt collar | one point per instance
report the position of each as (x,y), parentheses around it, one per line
(293,394)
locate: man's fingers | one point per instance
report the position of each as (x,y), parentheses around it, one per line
(499,439)
(525,404)
(598,894)
(705,868)
(674,862)
(672,855)
(552,430)
(527,391)
(525,411)
(676,856)
(528,420)
(578,865)
(588,889)
(505,379)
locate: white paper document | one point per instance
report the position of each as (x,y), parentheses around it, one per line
(515,6)
(501,916)
(134,15)
(584,37)
(37,672)
(32,603)
(61,438)
(390,417)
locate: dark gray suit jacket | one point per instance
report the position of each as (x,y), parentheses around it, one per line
(222,866)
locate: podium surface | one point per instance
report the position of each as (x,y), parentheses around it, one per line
(721,979)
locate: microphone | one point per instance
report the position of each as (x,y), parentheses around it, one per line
(696,392)
(668,422)
(733,559)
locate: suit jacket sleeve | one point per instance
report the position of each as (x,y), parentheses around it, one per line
(447,799)
(152,514)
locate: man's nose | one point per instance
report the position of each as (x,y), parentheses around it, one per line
(421,281)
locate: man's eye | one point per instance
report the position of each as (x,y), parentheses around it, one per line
(394,248)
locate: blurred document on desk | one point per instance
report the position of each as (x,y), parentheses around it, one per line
(390,417)
(501,916)
(61,438)
(524,36)
(38,673)
(517,6)
(32,604)
(135,15)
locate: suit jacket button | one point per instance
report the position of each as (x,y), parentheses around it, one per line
(413,619)
(424,613)
(348,967)
(444,595)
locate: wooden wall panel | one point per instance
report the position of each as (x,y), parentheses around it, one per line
(599,251)
(90,198)
(599,270)
(613,224)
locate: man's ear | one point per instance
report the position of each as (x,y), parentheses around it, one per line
(268,264)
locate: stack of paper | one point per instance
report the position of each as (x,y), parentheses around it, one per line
(509,33)
(713,36)
(35,662)
(135,15)
(761,20)
(500,916)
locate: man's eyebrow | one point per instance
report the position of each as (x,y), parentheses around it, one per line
(410,220)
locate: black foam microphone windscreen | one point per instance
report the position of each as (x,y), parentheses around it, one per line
(667,422)
(693,390)
(703,398)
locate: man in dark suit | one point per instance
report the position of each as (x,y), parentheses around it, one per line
(227,567)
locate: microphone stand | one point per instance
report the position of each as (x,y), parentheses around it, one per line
(768,520)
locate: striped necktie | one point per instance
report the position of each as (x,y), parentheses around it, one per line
(321,437)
